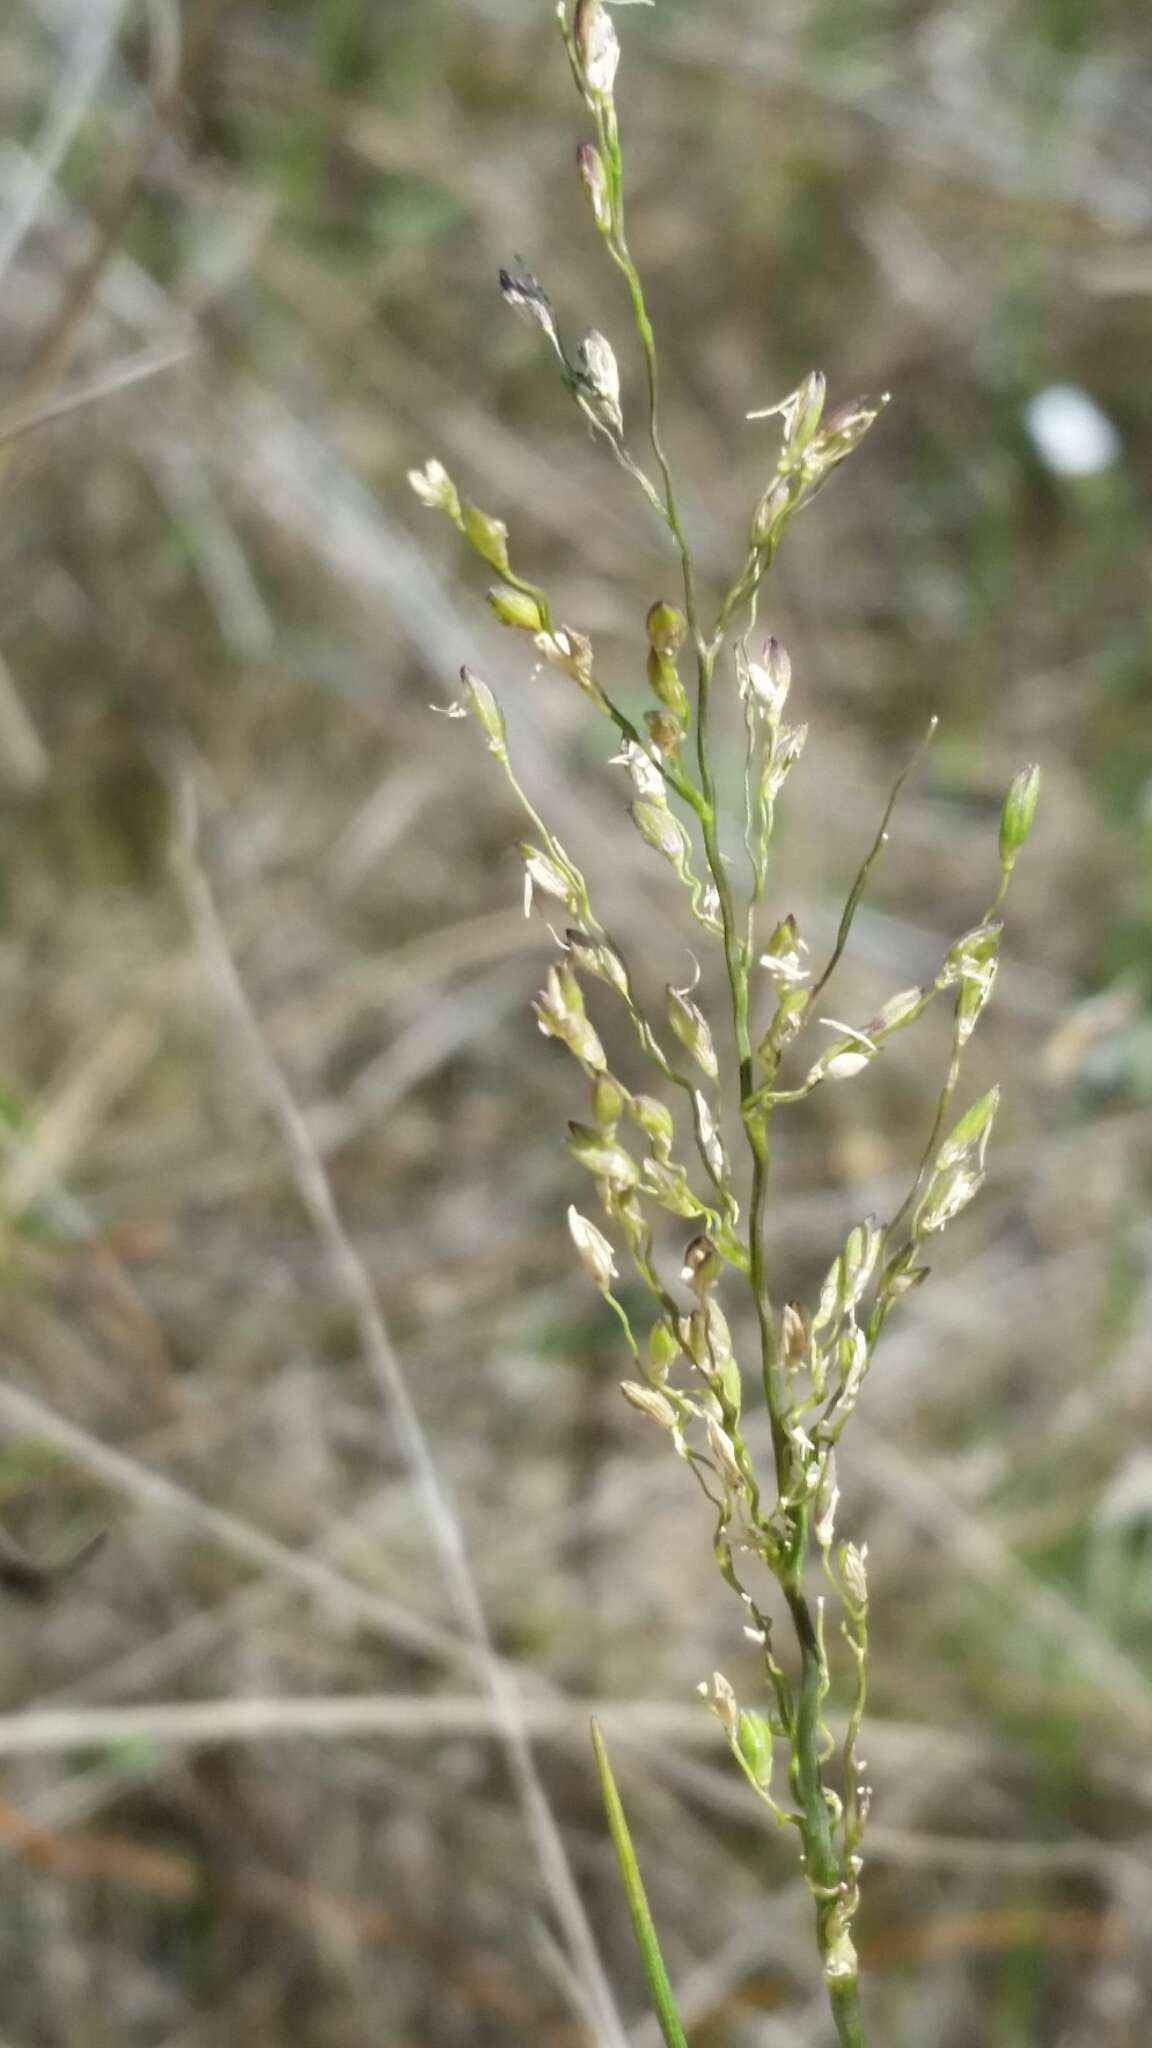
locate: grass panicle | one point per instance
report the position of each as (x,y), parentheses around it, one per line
(642,1159)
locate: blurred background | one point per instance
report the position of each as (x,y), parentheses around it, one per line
(248,256)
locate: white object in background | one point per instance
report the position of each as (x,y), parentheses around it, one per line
(1070,433)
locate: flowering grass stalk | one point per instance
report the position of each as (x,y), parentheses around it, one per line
(684,1377)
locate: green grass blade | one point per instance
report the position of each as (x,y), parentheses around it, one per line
(662,2001)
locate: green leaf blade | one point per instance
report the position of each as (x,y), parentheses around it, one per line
(663,2003)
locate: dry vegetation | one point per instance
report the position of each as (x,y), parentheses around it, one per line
(255,1789)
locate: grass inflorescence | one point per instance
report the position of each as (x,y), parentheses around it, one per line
(671,1152)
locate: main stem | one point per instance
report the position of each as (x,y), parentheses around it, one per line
(844,1997)
(822,1865)
(824,1872)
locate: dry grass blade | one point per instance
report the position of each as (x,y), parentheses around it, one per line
(93,37)
(130,371)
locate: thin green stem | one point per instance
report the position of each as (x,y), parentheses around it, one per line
(869,862)
(942,1107)
(808,1783)
(736,957)
(827,1875)
(621,256)
(675,777)
(844,1997)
